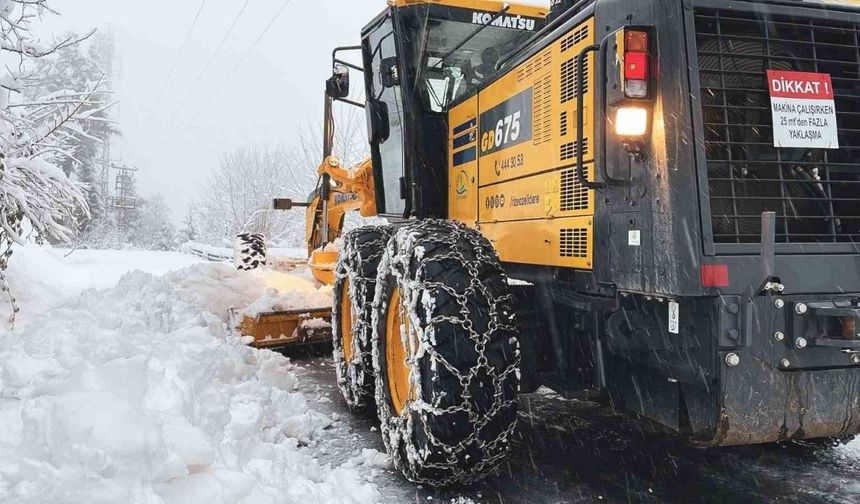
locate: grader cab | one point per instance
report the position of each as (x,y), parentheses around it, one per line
(652,203)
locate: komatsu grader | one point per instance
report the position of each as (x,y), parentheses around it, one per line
(655,203)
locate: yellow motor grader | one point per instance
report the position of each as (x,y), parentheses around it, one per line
(653,203)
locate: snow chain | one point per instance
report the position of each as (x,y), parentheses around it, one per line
(410,255)
(359,257)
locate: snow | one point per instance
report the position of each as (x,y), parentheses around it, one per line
(295,294)
(139,392)
(51,275)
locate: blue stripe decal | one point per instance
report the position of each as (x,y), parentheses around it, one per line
(463,127)
(465,156)
(464,140)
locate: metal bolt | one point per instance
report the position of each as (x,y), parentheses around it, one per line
(785,363)
(855,359)
(733,359)
(779,336)
(779,303)
(800,343)
(800,308)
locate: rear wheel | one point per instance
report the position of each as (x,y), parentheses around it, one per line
(445,354)
(355,283)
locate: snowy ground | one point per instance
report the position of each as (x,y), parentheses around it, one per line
(122,384)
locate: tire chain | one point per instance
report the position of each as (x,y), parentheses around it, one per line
(401,250)
(251,251)
(353,377)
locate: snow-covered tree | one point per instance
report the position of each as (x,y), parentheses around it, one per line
(81,66)
(188,231)
(152,228)
(238,195)
(37,200)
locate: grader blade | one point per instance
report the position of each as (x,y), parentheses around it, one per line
(285,328)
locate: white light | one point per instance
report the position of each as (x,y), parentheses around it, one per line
(636,88)
(631,122)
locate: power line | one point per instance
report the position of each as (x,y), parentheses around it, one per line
(179,54)
(249,51)
(211,59)
(262,35)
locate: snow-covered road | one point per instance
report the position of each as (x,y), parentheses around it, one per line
(122,384)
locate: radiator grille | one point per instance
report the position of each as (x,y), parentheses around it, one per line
(574,196)
(574,243)
(815,192)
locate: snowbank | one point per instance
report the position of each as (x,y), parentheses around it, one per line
(42,276)
(139,393)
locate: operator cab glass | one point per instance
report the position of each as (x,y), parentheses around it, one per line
(450,58)
(419,58)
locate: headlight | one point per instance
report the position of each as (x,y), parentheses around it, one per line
(631,122)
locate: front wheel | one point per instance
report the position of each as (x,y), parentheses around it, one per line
(354,286)
(249,252)
(445,353)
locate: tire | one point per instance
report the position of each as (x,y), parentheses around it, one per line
(461,354)
(355,283)
(249,252)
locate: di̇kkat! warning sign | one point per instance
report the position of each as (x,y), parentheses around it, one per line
(804,112)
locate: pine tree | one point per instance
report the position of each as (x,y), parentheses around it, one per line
(82,66)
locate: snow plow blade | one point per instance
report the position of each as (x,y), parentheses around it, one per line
(285,328)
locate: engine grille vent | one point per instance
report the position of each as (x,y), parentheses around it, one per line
(574,243)
(574,196)
(815,192)
(563,122)
(542,110)
(569,151)
(534,65)
(574,38)
(568,79)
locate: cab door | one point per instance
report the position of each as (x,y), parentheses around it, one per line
(385,111)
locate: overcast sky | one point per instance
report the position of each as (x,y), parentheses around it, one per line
(277,88)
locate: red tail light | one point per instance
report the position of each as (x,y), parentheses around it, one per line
(715,275)
(637,64)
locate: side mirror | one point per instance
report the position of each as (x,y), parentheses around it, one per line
(389,74)
(378,127)
(337,86)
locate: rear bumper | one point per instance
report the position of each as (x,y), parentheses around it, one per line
(762,404)
(784,389)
